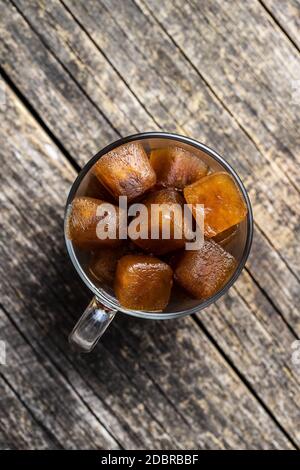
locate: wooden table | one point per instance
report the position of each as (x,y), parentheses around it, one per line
(76,76)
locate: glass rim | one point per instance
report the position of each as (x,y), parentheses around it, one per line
(101,294)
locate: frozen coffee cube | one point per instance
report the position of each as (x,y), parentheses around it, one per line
(104,263)
(125,171)
(176,167)
(224,238)
(224,205)
(86,216)
(164,221)
(204,272)
(96,190)
(143,283)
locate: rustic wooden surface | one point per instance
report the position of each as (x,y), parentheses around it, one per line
(76,76)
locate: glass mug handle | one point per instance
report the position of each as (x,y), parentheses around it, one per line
(91,326)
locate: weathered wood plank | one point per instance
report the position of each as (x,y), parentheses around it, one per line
(287,13)
(253,82)
(18,429)
(195,397)
(253,344)
(90,68)
(275,278)
(68,421)
(57,98)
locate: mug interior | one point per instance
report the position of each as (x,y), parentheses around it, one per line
(180,304)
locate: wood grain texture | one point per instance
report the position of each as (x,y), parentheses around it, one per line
(268,184)
(28,371)
(118,67)
(147,389)
(287,14)
(19,429)
(198,113)
(57,98)
(253,82)
(267,266)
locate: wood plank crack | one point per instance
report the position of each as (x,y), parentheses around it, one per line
(280,23)
(66,70)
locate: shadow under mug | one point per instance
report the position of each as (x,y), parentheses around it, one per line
(104,305)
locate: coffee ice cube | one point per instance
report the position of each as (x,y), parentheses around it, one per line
(143,283)
(96,190)
(104,263)
(169,206)
(83,220)
(126,171)
(225,237)
(176,167)
(204,272)
(224,205)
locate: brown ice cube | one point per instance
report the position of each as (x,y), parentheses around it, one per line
(224,205)
(83,221)
(176,167)
(169,203)
(204,272)
(143,283)
(126,171)
(96,190)
(104,263)
(224,238)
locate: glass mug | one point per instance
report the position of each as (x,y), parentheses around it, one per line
(104,306)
